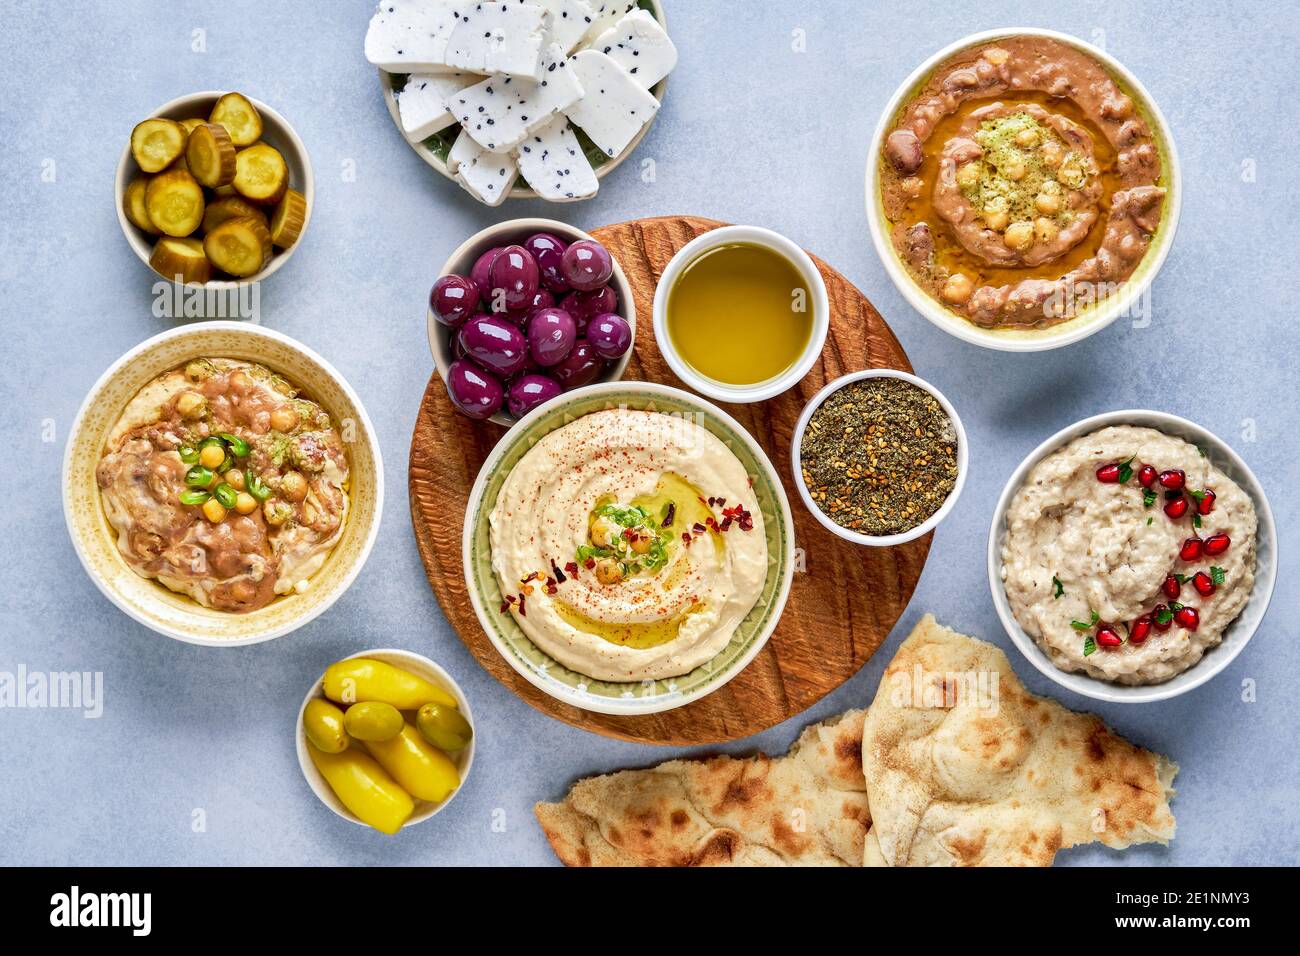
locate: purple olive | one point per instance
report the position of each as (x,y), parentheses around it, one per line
(584,305)
(581,367)
(482,267)
(548,250)
(514,278)
(610,335)
(475,392)
(551,334)
(495,343)
(542,299)
(586,265)
(453,300)
(529,391)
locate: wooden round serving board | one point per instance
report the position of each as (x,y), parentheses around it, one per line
(845,598)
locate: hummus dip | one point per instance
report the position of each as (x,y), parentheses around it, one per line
(1021,184)
(1097,562)
(224,483)
(629,545)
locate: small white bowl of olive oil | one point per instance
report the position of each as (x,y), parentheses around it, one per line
(741,314)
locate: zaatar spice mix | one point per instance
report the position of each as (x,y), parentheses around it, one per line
(879,456)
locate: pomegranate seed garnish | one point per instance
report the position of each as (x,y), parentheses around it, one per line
(1140,630)
(1161,622)
(1108,474)
(1174,479)
(1204,586)
(1176,508)
(1146,476)
(1191,549)
(1171,587)
(1107,636)
(1217,544)
(1206,504)
(1187,618)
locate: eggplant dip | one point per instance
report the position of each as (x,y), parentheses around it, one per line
(1128,554)
(224,483)
(1021,184)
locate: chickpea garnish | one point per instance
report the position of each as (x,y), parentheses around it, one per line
(214,511)
(1048,203)
(1014,170)
(239,382)
(641,544)
(245,503)
(211,456)
(1019,235)
(235,479)
(1027,138)
(191,405)
(996,55)
(995,218)
(608,572)
(604,532)
(284,418)
(958,288)
(968,175)
(1052,154)
(276,513)
(1045,229)
(293,486)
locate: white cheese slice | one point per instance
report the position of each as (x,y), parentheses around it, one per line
(501,111)
(639,45)
(410,36)
(614,107)
(498,36)
(422,103)
(486,176)
(570,21)
(553,163)
(604,14)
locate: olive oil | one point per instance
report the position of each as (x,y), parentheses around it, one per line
(740,314)
(638,635)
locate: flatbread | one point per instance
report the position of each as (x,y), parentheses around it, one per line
(808,808)
(984,773)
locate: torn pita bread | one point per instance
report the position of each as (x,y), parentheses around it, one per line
(807,808)
(965,767)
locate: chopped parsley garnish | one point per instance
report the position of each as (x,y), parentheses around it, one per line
(1196,521)
(1126,470)
(1218,575)
(1164,616)
(1148,499)
(1056,584)
(1081,626)
(1089,645)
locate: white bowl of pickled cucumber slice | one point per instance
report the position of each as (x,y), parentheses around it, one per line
(214,189)
(385,738)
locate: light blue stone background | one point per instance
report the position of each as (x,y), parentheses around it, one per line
(752,131)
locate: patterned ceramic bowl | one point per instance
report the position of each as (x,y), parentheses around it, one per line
(543,671)
(149,602)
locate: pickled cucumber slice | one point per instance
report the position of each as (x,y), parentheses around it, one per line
(239,246)
(288,219)
(174,201)
(229,207)
(211,155)
(133,205)
(237,115)
(261,174)
(155,143)
(181,257)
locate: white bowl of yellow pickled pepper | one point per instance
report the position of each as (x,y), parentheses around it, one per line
(385,738)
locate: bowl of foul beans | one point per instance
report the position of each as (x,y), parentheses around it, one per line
(880,457)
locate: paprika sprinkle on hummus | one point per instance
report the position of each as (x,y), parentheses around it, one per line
(879,456)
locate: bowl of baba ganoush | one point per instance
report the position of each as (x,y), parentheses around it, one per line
(1132,556)
(1023,190)
(222,484)
(628,548)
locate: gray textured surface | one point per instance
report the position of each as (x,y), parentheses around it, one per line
(751,132)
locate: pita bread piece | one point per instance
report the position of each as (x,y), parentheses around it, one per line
(808,808)
(965,767)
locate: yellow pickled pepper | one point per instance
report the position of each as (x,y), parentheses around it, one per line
(362,679)
(364,787)
(424,771)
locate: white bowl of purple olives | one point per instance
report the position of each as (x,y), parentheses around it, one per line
(525,311)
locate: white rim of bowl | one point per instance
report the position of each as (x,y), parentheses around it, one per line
(398,658)
(885,540)
(440,335)
(314,610)
(742,235)
(1074,331)
(782,593)
(431,159)
(278,256)
(1078,681)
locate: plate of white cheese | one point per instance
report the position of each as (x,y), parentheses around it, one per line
(522,98)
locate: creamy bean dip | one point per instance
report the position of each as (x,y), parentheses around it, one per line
(1128,554)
